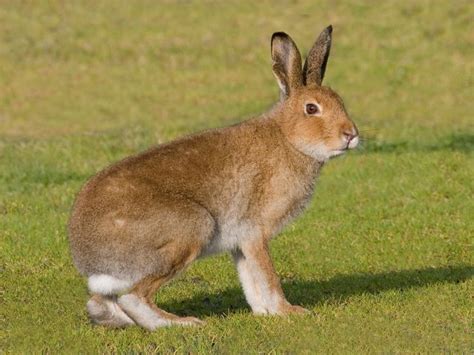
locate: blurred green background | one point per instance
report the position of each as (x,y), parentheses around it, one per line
(384,255)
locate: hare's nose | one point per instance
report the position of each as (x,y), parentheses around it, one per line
(352,138)
(349,135)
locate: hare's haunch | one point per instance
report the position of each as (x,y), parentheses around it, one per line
(139,222)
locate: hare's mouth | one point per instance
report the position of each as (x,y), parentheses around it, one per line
(351,144)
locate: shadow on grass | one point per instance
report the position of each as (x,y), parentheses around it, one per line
(335,290)
(455,142)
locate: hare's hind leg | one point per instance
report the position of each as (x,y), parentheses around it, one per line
(140,306)
(192,231)
(104,310)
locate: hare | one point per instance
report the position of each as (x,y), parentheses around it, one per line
(139,222)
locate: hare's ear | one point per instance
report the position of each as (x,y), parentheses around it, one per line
(315,64)
(286,63)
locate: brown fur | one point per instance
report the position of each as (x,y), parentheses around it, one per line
(315,64)
(147,217)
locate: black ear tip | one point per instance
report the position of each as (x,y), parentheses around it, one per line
(279,34)
(329,29)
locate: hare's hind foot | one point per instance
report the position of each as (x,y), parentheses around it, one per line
(139,304)
(103,310)
(183,321)
(149,316)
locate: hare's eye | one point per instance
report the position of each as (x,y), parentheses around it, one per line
(312,109)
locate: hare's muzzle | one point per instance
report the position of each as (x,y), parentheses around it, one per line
(351,138)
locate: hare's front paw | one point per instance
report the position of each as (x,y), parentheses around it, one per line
(292,309)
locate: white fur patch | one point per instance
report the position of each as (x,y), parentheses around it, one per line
(107,285)
(231,234)
(141,313)
(119,222)
(251,288)
(317,151)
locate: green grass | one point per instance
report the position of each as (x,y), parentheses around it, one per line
(384,255)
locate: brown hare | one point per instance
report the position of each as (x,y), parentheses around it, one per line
(139,222)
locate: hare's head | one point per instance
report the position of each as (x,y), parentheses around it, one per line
(313,116)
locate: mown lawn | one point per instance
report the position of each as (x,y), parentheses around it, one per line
(384,256)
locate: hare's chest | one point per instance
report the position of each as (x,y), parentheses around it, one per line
(254,212)
(286,197)
(266,221)
(281,211)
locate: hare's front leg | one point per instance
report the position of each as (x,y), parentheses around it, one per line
(260,282)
